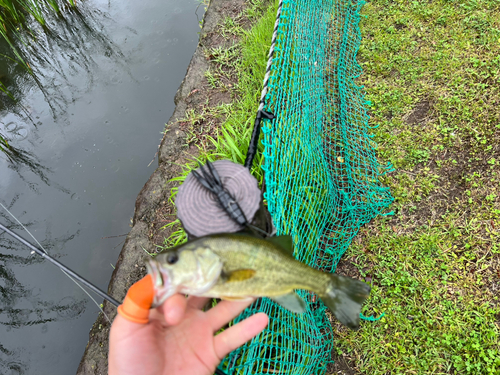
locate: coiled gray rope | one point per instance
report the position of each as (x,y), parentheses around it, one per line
(198,208)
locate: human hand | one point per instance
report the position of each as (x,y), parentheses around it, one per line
(179,338)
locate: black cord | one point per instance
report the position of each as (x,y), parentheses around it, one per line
(254,140)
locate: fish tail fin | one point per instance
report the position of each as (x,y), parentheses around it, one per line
(344,296)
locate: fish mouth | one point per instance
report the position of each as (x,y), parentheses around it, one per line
(162,282)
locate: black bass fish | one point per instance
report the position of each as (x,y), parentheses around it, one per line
(239,266)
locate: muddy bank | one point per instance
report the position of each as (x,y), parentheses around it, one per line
(152,208)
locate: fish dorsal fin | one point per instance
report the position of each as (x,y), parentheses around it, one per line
(239,275)
(291,301)
(284,242)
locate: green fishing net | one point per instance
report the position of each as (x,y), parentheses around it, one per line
(321,173)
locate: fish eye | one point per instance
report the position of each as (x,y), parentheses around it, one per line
(172,258)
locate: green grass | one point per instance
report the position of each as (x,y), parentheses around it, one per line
(17,18)
(4,145)
(432,72)
(245,63)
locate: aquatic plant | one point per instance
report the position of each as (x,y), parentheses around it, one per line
(18,17)
(4,145)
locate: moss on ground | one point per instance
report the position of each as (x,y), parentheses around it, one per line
(432,72)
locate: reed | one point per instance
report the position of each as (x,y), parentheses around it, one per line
(247,60)
(17,19)
(4,145)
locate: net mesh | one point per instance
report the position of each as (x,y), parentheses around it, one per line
(321,174)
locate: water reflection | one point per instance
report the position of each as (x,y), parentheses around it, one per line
(20,159)
(73,43)
(11,362)
(78,166)
(19,305)
(77,45)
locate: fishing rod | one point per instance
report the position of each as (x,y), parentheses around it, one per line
(73,274)
(211,181)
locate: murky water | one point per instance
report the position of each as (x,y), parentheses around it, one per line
(86,130)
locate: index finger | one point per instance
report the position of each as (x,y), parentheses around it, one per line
(197,302)
(226,311)
(239,334)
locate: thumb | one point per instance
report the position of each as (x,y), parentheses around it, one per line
(172,310)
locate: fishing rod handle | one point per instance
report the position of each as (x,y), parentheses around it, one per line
(138,301)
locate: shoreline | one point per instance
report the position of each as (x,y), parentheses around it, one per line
(152,206)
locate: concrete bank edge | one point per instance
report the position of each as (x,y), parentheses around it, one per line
(129,266)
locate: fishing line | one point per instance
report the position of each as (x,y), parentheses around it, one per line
(73,276)
(68,271)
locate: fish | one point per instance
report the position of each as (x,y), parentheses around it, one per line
(239,266)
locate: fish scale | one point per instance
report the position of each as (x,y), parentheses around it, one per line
(240,266)
(277,272)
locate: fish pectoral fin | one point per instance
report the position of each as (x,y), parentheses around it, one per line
(240,299)
(239,275)
(284,242)
(291,301)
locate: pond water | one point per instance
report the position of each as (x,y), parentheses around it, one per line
(86,128)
